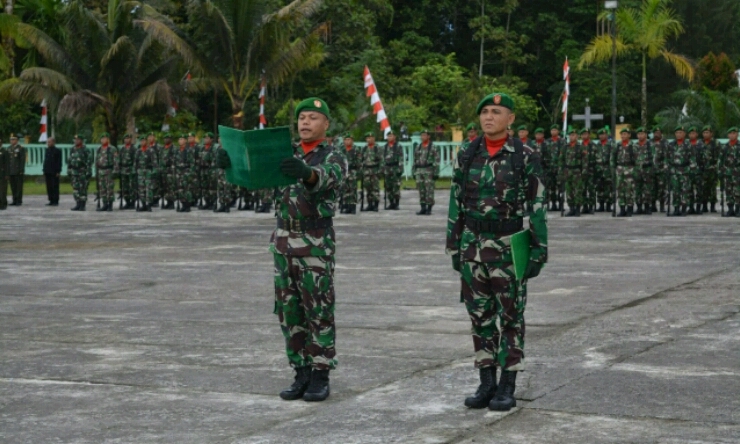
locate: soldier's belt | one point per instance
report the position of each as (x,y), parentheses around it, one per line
(570,167)
(494,226)
(104,169)
(625,164)
(428,165)
(392,164)
(303,225)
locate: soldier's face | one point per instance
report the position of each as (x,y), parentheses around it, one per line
(182,141)
(78,142)
(312,126)
(625,137)
(472,134)
(370,140)
(539,136)
(680,135)
(494,121)
(693,135)
(523,134)
(641,136)
(554,133)
(13,140)
(104,140)
(207,140)
(167,140)
(707,135)
(127,141)
(658,134)
(602,136)
(150,139)
(348,142)
(391,138)
(424,137)
(573,137)
(191,139)
(732,135)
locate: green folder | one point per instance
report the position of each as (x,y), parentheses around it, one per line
(521,252)
(256,156)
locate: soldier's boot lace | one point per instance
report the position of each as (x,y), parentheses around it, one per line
(318,388)
(423,210)
(299,386)
(486,389)
(622,211)
(504,399)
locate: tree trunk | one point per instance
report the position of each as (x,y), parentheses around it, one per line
(644,91)
(237,113)
(482,37)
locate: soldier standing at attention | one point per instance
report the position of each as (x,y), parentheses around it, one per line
(16,169)
(659,182)
(185,168)
(195,179)
(472,133)
(166,173)
(425,171)
(107,167)
(573,163)
(709,177)
(497,182)
(604,180)
(153,146)
(208,173)
(394,158)
(644,173)
(225,191)
(523,133)
(303,246)
(539,145)
(128,173)
(729,170)
(79,170)
(624,159)
(349,187)
(146,163)
(552,165)
(590,172)
(681,164)
(372,164)
(4,165)
(695,176)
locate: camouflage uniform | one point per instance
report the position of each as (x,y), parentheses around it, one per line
(349,187)
(372,168)
(605,177)
(107,167)
(660,148)
(304,261)
(590,175)
(224,190)
(573,163)
(4,161)
(729,170)
(185,170)
(208,175)
(708,178)
(247,197)
(552,170)
(79,170)
(425,171)
(393,173)
(167,174)
(644,176)
(194,178)
(16,171)
(156,179)
(681,165)
(624,160)
(128,173)
(146,163)
(495,192)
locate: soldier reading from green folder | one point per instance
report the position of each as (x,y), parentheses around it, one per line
(303,246)
(497,182)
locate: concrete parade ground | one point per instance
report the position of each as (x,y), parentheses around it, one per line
(125,327)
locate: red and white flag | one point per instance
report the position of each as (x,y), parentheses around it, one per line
(566,94)
(263,93)
(378,109)
(44,133)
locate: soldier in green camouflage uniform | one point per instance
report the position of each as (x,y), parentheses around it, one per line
(185,169)
(539,144)
(552,168)
(79,170)
(729,170)
(425,172)
(660,147)
(708,179)
(167,174)
(496,182)
(681,166)
(590,173)
(393,171)
(353,155)
(604,177)
(147,164)
(128,173)
(644,173)
(208,173)
(156,181)
(573,163)
(695,176)
(372,168)
(194,179)
(16,169)
(523,133)
(624,161)
(303,246)
(4,165)
(224,190)
(107,167)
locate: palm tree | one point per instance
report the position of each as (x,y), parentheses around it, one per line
(105,65)
(7,27)
(703,107)
(235,42)
(645,31)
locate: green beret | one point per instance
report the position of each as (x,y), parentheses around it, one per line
(101,136)
(183,136)
(585,130)
(77,136)
(208,134)
(706,128)
(602,131)
(539,130)
(693,128)
(657,128)
(641,130)
(625,130)
(499,99)
(127,136)
(424,131)
(313,104)
(732,130)
(167,135)
(522,128)
(348,136)
(190,134)
(13,136)
(555,126)
(472,126)
(679,128)
(369,134)
(572,130)
(391,132)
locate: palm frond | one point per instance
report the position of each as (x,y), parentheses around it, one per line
(54,80)
(121,49)
(157,93)
(22,90)
(681,64)
(600,50)
(305,53)
(79,104)
(169,38)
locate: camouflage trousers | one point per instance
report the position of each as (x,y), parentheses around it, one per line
(304,303)
(393,186)
(425,185)
(574,187)
(495,302)
(224,190)
(371,182)
(80,182)
(732,188)
(244,194)
(128,184)
(146,187)
(106,186)
(659,186)
(349,188)
(208,183)
(185,186)
(708,187)
(169,191)
(681,187)
(626,185)
(644,186)
(589,189)
(264,195)
(605,186)
(195,183)
(157,191)
(552,187)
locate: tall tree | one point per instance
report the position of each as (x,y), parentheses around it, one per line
(645,31)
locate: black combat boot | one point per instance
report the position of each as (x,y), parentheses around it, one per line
(622,211)
(653,208)
(705,208)
(353,209)
(77,206)
(639,209)
(82,205)
(571,212)
(375,207)
(318,388)
(630,210)
(608,208)
(713,209)
(601,208)
(423,210)
(299,386)
(110,206)
(730,211)
(648,210)
(186,207)
(690,211)
(429,210)
(343,209)
(226,209)
(676,211)
(737,209)
(486,389)
(102,208)
(585,209)
(504,400)
(684,210)
(662,207)
(141,208)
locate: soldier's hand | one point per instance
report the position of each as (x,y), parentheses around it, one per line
(295,167)
(456,263)
(222,160)
(533,270)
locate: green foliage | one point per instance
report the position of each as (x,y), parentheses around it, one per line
(18,118)
(705,107)
(716,72)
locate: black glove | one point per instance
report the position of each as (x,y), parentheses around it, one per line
(295,167)
(533,270)
(456,263)
(222,160)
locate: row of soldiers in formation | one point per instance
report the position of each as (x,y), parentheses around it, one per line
(648,173)
(181,176)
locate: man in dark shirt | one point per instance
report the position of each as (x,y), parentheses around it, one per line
(52,170)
